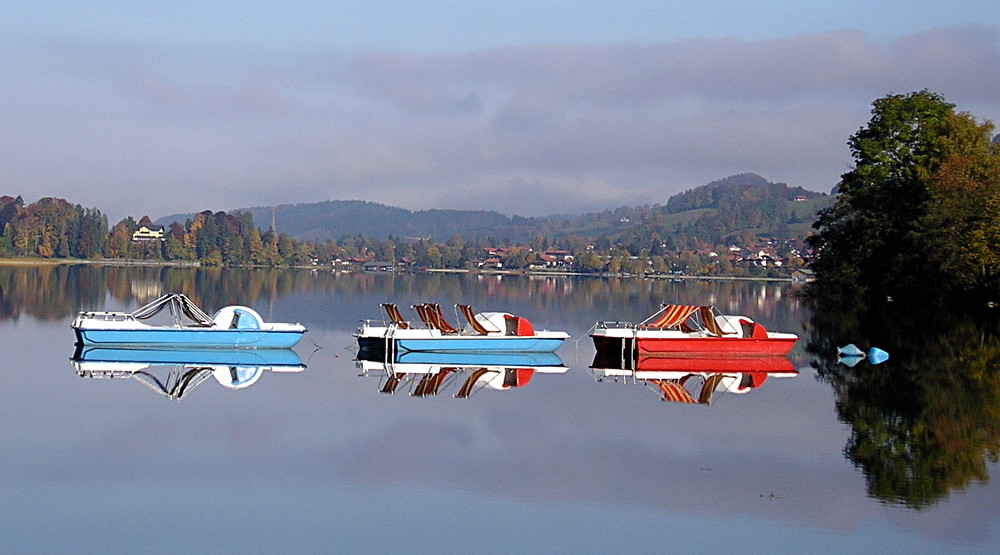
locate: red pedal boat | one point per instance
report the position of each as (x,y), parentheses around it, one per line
(691,329)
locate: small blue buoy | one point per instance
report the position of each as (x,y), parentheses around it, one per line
(850,361)
(850,350)
(877,356)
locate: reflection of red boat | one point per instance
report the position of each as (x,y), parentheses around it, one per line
(761,365)
(680,329)
(690,379)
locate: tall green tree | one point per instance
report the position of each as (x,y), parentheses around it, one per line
(873,243)
(962,225)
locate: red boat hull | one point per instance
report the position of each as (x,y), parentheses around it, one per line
(730,346)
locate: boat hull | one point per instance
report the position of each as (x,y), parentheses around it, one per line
(479,360)
(608,345)
(481,344)
(637,344)
(190,338)
(382,339)
(733,346)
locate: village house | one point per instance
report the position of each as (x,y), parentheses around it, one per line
(340,264)
(492,263)
(560,256)
(146,234)
(553,259)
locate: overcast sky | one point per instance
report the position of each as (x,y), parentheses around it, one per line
(528,108)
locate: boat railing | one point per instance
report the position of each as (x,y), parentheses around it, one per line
(383,323)
(107,316)
(105,374)
(615,325)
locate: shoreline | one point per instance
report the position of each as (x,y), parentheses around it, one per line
(601,275)
(27,261)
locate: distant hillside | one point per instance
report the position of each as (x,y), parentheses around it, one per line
(337,218)
(738,191)
(713,213)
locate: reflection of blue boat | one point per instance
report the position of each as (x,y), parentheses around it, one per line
(185,369)
(481,344)
(230,327)
(511,360)
(196,357)
(427,373)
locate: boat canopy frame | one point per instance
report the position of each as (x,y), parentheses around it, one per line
(688,318)
(178,304)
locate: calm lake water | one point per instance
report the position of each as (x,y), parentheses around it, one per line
(892,457)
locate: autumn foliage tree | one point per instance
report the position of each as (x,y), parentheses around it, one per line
(915,218)
(51,228)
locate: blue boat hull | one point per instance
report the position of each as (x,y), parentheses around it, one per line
(466,358)
(190,338)
(480,344)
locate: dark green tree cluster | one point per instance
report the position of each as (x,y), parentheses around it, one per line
(51,228)
(918,218)
(217,239)
(54,228)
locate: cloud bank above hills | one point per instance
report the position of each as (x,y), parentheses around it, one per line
(154,123)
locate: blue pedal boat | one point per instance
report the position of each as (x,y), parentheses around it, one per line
(485,332)
(190,328)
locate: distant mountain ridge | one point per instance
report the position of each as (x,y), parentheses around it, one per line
(745,202)
(336,218)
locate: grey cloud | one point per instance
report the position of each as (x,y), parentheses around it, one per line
(638,75)
(519,128)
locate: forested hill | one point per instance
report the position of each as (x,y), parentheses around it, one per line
(338,218)
(731,210)
(740,204)
(737,193)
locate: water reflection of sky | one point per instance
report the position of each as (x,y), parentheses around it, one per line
(319,458)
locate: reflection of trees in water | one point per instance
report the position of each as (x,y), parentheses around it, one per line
(56,292)
(45,292)
(927,421)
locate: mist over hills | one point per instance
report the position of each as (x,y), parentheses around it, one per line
(736,204)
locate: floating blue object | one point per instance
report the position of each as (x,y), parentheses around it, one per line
(850,360)
(850,350)
(877,356)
